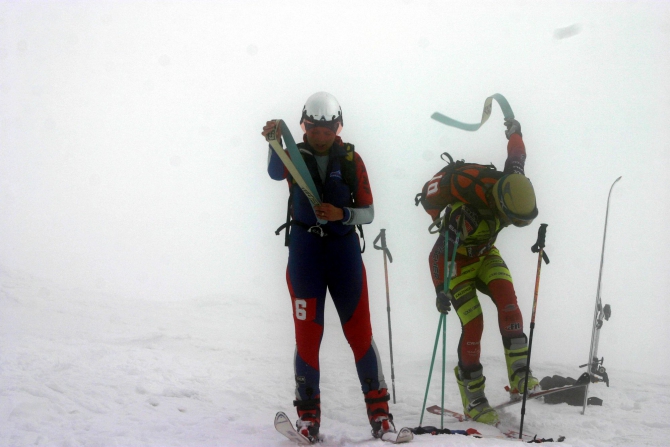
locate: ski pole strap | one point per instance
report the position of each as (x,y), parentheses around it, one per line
(436,226)
(287,225)
(382,236)
(360,230)
(486,113)
(539,245)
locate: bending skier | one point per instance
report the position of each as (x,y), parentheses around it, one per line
(328,257)
(488,200)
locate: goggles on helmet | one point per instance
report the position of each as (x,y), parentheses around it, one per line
(516,220)
(309,123)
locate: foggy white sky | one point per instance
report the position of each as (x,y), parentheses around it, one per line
(131,160)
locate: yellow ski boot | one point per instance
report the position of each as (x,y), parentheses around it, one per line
(475,405)
(516,357)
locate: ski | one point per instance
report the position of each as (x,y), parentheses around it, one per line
(403,435)
(435,409)
(286,428)
(506,432)
(486,113)
(581,382)
(595,367)
(295,164)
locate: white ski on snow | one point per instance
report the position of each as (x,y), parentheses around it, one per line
(403,435)
(286,428)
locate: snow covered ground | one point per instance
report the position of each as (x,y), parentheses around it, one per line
(142,290)
(82,368)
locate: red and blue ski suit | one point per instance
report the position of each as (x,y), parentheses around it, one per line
(332,262)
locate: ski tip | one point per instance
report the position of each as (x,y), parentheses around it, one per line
(403,435)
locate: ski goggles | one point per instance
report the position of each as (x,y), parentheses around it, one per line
(334,126)
(517,220)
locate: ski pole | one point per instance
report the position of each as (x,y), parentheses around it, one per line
(387,253)
(432,362)
(444,357)
(539,249)
(595,331)
(443,317)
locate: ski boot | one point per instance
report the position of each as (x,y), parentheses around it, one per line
(475,405)
(309,412)
(377,405)
(516,357)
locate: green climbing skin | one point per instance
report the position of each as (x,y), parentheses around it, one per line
(516,357)
(475,405)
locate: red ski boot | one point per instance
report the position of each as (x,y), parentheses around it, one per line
(381,420)
(309,412)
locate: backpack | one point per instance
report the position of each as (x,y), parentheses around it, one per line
(459,181)
(574,397)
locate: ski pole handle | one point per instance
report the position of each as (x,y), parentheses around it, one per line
(382,236)
(539,245)
(541,235)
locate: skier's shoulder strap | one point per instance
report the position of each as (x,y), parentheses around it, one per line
(349,152)
(348,166)
(350,176)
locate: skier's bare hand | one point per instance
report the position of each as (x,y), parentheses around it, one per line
(326,211)
(269,127)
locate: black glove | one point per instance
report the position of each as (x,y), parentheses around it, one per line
(443,302)
(513,127)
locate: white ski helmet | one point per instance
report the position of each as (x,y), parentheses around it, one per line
(322,110)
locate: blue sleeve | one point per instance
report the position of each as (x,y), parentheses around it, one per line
(276,168)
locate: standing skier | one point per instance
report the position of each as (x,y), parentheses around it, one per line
(486,205)
(328,257)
